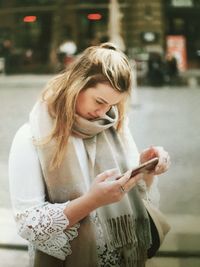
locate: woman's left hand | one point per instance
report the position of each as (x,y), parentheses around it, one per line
(163,156)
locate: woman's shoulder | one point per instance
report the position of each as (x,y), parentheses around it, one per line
(23,131)
(22,137)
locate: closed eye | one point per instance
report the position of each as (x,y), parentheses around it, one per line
(99,102)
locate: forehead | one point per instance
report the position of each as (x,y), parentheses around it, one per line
(106,92)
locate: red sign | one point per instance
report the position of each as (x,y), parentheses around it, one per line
(176,46)
(94,16)
(29,18)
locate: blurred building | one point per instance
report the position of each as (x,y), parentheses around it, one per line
(35,29)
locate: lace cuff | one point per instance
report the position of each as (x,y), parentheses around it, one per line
(45,226)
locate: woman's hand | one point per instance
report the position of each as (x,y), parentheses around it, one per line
(163,163)
(106,189)
(161,154)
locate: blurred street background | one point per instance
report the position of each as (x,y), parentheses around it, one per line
(40,38)
(43,36)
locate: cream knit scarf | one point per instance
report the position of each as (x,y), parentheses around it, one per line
(125,224)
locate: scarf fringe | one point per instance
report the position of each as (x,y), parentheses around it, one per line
(132,262)
(144,237)
(134,256)
(121,231)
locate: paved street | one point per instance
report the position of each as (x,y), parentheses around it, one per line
(168,116)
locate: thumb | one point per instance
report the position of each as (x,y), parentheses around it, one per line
(125,177)
(112,173)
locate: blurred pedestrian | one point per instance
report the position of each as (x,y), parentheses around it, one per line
(155,75)
(171,70)
(66,52)
(70,188)
(6,53)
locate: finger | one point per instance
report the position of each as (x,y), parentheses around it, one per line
(131,182)
(152,152)
(123,180)
(162,168)
(126,179)
(164,161)
(112,173)
(148,154)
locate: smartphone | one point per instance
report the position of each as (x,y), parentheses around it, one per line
(146,167)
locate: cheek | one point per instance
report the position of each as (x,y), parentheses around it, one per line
(79,105)
(83,105)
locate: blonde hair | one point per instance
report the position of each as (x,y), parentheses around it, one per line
(97,64)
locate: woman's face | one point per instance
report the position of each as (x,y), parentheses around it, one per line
(95,101)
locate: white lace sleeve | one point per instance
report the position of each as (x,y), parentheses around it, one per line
(45,228)
(41,223)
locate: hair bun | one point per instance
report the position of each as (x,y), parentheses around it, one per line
(108,45)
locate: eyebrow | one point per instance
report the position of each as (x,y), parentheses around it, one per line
(104,101)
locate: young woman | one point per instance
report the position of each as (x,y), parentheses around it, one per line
(64,163)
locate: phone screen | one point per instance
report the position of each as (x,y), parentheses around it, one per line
(146,167)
